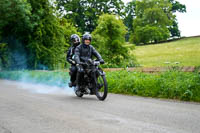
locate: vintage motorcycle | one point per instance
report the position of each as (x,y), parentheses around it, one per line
(93,81)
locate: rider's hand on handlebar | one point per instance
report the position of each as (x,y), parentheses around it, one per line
(73,62)
(82,63)
(90,61)
(102,61)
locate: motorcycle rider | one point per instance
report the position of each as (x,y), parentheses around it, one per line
(75,41)
(83,53)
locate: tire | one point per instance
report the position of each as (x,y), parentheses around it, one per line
(78,94)
(101,91)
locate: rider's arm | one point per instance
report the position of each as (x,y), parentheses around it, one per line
(95,53)
(69,58)
(77,55)
(68,55)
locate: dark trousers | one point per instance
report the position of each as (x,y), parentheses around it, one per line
(72,73)
(80,71)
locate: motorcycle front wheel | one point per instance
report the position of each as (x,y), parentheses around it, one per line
(102,88)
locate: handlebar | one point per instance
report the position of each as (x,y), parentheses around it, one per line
(90,62)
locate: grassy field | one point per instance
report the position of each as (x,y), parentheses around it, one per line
(184,52)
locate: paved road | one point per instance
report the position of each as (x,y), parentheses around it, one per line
(24,111)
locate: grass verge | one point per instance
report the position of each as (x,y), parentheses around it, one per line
(170,84)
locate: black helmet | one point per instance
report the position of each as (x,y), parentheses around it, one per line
(86,37)
(75,38)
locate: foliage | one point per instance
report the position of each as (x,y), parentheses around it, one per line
(152,21)
(85,13)
(171,84)
(48,43)
(150,34)
(174,30)
(15,24)
(129,17)
(176,7)
(183,52)
(4,52)
(14,18)
(109,40)
(34,34)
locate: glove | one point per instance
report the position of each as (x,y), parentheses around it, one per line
(81,63)
(90,61)
(79,68)
(102,61)
(73,62)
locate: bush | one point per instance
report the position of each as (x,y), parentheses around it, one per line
(109,39)
(150,34)
(171,84)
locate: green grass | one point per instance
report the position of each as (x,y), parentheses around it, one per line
(170,84)
(185,52)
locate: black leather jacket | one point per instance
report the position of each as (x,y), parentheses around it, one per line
(84,52)
(70,54)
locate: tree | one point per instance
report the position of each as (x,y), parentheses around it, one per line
(152,20)
(109,39)
(15,24)
(32,35)
(129,16)
(50,37)
(15,17)
(85,13)
(176,7)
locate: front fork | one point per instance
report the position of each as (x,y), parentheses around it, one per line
(94,77)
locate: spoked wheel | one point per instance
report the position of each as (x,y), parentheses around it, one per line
(102,87)
(78,94)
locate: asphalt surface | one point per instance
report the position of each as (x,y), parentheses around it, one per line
(23,110)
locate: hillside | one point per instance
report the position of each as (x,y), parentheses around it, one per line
(184,52)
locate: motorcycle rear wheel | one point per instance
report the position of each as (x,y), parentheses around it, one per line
(101,88)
